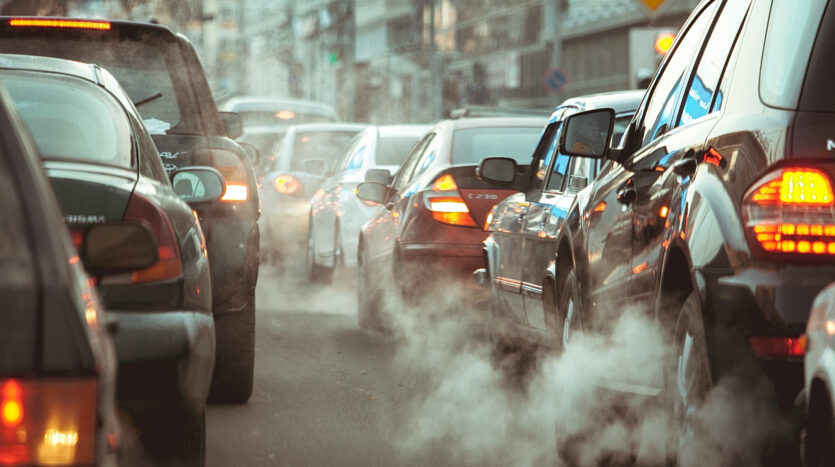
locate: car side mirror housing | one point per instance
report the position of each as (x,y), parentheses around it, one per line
(252,152)
(233,123)
(499,170)
(373,192)
(315,166)
(118,247)
(383,176)
(587,134)
(198,184)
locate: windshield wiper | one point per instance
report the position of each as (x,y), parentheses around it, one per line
(148,99)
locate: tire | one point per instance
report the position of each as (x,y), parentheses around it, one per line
(235,357)
(316,273)
(819,446)
(553,323)
(570,308)
(688,381)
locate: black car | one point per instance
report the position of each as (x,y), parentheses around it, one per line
(716,216)
(161,73)
(57,359)
(522,241)
(104,167)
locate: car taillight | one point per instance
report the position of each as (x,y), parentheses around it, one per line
(789,212)
(777,347)
(446,204)
(48,422)
(169,266)
(288,185)
(234,173)
(58,23)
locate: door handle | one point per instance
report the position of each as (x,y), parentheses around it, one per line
(627,195)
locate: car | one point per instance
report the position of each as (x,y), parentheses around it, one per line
(301,159)
(715,216)
(523,228)
(819,377)
(336,214)
(428,227)
(161,73)
(104,167)
(265,119)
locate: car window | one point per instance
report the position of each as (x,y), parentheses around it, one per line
(817,90)
(661,107)
(324,145)
(699,98)
(621,122)
(427,159)
(555,182)
(346,156)
(792,27)
(391,150)
(404,174)
(543,153)
(70,118)
(471,145)
(581,168)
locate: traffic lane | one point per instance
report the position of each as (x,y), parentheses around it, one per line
(325,392)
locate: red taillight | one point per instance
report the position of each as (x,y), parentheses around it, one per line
(48,422)
(235,192)
(288,185)
(169,265)
(446,204)
(789,212)
(234,174)
(58,23)
(777,347)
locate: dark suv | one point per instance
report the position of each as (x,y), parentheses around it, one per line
(161,73)
(717,214)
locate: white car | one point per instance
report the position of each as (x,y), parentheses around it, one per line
(819,370)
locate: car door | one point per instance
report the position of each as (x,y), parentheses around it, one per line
(680,149)
(546,212)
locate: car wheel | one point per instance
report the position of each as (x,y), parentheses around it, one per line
(553,323)
(569,309)
(688,382)
(316,273)
(819,446)
(235,357)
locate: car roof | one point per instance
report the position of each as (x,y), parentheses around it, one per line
(493,122)
(325,126)
(402,130)
(51,65)
(255,103)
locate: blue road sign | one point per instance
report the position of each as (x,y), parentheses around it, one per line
(555,80)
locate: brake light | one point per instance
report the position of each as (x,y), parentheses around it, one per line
(288,185)
(776,347)
(789,212)
(234,173)
(59,23)
(169,266)
(48,422)
(446,204)
(235,193)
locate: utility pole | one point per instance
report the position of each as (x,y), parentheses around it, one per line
(553,36)
(436,76)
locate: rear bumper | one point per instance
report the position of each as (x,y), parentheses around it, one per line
(165,357)
(428,266)
(285,225)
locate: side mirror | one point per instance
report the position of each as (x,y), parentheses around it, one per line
(252,152)
(315,166)
(587,134)
(233,123)
(119,247)
(500,170)
(379,176)
(373,192)
(198,184)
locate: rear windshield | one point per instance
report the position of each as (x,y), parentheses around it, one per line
(392,150)
(471,145)
(818,91)
(145,69)
(281,118)
(324,145)
(70,118)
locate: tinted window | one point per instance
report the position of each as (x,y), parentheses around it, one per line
(325,145)
(147,70)
(391,150)
(471,145)
(697,101)
(558,172)
(70,118)
(545,151)
(818,95)
(792,27)
(404,174)
(661,107)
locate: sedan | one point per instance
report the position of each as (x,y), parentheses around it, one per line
(428,228)
(336,214)
(104,167)
(520,247)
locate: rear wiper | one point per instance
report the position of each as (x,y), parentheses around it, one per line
(148,99)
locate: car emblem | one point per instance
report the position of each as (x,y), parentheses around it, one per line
(170,167)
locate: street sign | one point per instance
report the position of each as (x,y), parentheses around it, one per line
(652,4)
(555,80)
